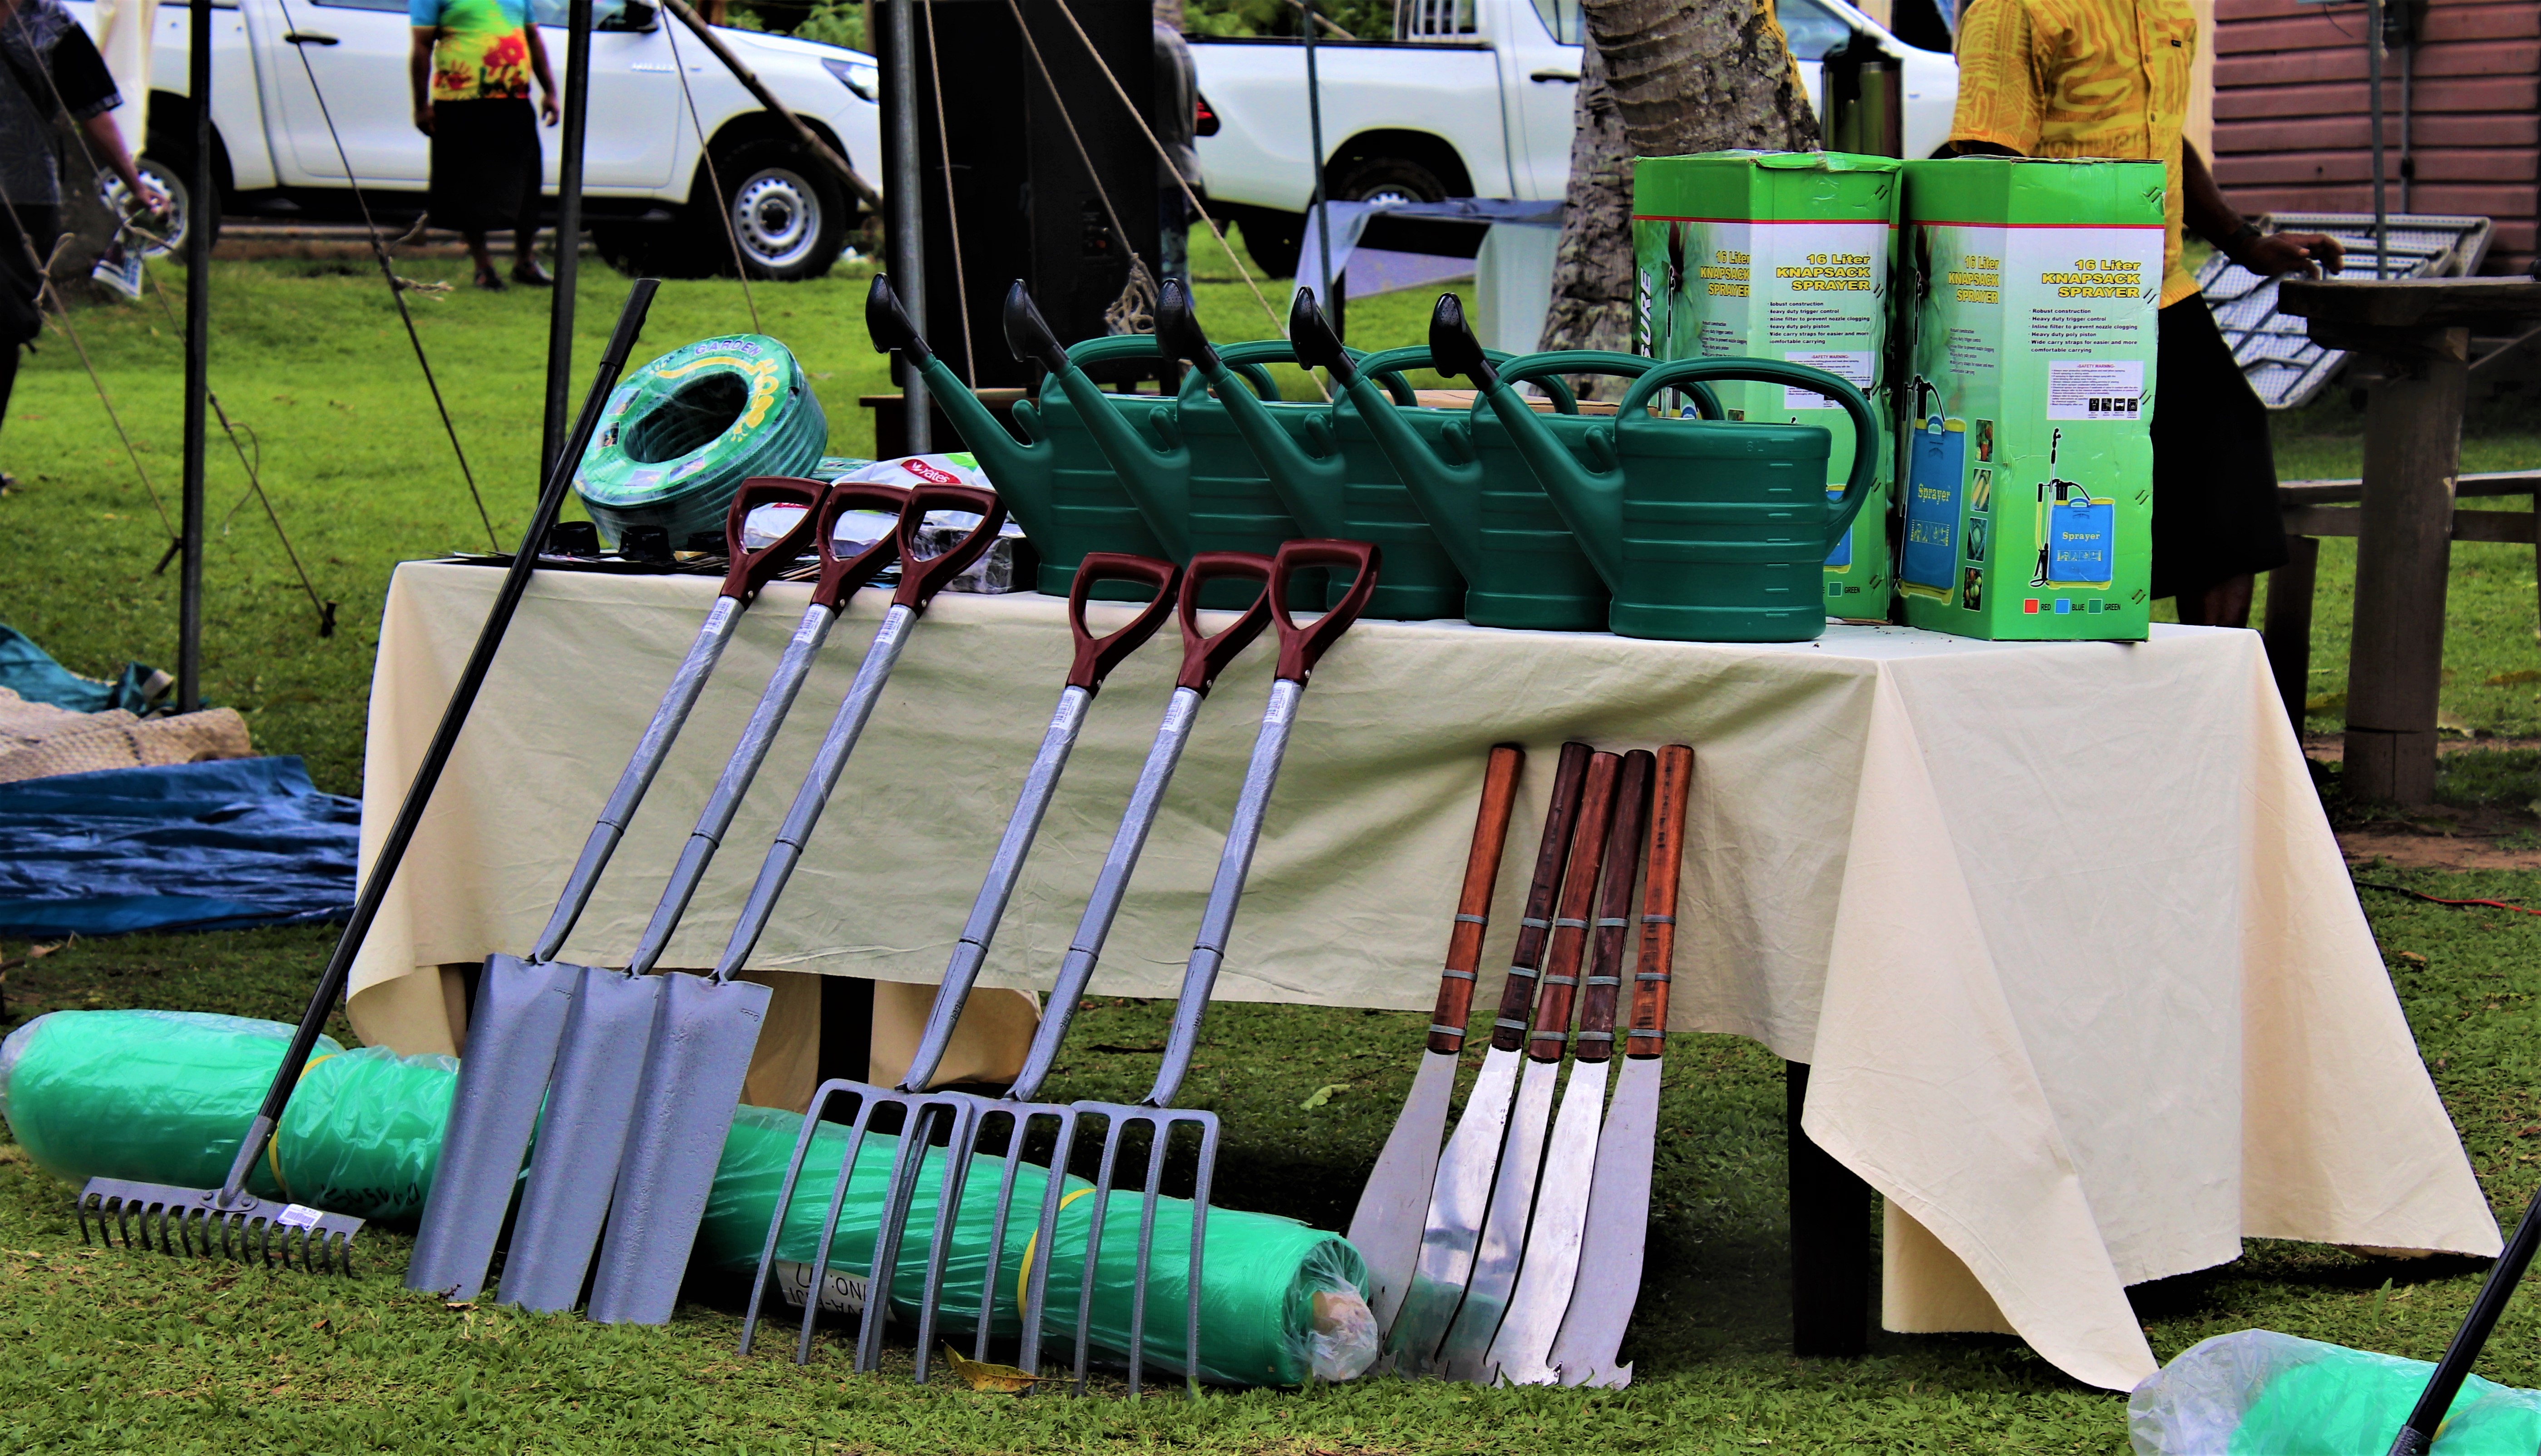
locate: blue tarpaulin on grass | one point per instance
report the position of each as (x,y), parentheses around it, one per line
(221,846)
(31,671)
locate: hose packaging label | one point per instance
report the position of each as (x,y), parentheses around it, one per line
(840,1292)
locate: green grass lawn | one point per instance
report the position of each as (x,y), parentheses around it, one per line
(117,1352)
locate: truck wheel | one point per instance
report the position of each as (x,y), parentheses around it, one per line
(787,213)
(170,180)
(1387,180)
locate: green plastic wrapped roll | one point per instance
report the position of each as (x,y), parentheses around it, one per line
(164,1096)
(1279,1301)
(679,437)
(2259,1392)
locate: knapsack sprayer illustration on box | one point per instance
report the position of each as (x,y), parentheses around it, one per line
(1929,561)
(2076,534)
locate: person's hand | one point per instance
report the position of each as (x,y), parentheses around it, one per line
(423,117)
(2306,254)
(153,202)
(548,109)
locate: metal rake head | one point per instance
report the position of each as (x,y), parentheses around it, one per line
(191,1222)
(1023,1124)
(1121,1119)
(915,1119)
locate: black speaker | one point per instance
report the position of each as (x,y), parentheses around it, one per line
(1028,207)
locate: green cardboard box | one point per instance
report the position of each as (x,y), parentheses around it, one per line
(1781,256)
(2028,453)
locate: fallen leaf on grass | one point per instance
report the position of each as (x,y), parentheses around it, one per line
(1323,1094)
(2413,958)
(981,1375)
(2519,675)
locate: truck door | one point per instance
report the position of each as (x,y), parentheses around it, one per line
(637,114)
(357,51)
(1539,51)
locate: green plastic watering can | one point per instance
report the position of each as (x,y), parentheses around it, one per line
(1066,500)
(1708,530)
(1521,564)
(1296,449)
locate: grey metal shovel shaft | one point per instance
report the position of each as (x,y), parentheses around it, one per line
(1085,950)
(1217,921)
(757,736)
(650,749)
(823,776)
(1005,867)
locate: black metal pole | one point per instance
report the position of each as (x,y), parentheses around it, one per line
(198,323)
(2373,89)
(568,230)
(1315,200)
(901,185)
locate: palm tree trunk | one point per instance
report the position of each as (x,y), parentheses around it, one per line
(1660,78)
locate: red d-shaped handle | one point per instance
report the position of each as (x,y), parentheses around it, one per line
(921,577)
(1095,657)
(1203,656)
(1300,648)
(842,576)
(752,570)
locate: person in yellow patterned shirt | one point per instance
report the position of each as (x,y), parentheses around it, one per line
(471,66)
(2110,78)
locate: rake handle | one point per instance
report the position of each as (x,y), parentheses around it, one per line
(1097,656)
(1518,993)
(445,738)
(1550,1035)
(842,576)
(1658,904)
(1604,980)
(1473,905)
(1206,656)
(752,570)
(921,577)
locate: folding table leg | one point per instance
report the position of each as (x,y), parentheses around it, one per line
(1831,1210)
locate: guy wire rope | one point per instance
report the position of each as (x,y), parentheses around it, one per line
(1138,300)
(325,609)
(396,290)
(714,179)
(952,211)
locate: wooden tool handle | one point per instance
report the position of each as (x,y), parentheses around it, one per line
(1658,904)
(1517,997)
(1603,985)
(1552,1034)
(1474,906)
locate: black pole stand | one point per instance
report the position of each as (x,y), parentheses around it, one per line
(568,230)
(198,322)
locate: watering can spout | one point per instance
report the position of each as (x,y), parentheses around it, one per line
(1591,501)
(1028,334)
(1309,485)
(1311,334)
(1177,331)
(888,324)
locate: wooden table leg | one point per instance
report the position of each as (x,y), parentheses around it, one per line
(2287,631)
(1831,1212)
(2395,659)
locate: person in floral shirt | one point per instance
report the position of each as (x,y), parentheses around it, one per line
(471,67)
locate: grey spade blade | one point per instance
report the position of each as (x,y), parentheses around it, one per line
(589,1101)
(519,1016)
(703,1033)
(1457,1202)
(1503,1241)
(1551,1265)
(1386,1230)
(1610,1248)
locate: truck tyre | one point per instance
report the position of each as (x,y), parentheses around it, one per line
(790,215)
(1387,180)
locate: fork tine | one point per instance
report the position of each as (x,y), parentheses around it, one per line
(1158,1131)
(1102,1199)
(907,1160)
(960,1123)
(1045,1247)
(784,1201)
(996,1270)
(1202,1178)
(830,1230)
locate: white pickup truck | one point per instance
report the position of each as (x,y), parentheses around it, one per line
(646,190)
(1469,97)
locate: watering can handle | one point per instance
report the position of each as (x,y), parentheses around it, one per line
(842,575)
(1417,356)
(1206,656)
(1548,367)
(750,569)
(1865,431)
(921,577)
(1095,657)
(1300,648)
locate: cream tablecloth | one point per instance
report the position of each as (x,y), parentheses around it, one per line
(2060,927)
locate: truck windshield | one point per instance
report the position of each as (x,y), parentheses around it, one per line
(1561,20)
(1813,29)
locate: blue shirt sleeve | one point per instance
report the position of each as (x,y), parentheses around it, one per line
(423,13)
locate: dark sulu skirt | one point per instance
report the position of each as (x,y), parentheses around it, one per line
(2214,510)
(484,165)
